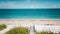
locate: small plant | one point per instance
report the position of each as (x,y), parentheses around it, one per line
(44,32)
(2,26)
(50,33)
(58,32)
(18,30)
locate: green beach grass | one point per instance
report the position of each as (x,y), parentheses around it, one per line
(23,30)
(18,30)
(2,26)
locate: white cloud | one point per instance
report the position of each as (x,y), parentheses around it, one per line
(27,5)
(0,5)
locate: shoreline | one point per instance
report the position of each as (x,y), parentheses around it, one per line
(30,21)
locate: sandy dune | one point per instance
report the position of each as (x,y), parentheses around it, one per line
(40,24)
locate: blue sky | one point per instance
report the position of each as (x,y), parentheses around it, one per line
(29,4)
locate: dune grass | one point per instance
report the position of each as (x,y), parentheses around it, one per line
(18,30)
(22,30)
(58,32)
(44,32)
(2,26)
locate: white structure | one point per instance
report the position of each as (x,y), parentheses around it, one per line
(32,29)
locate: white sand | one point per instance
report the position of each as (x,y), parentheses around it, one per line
(40,24)
(29,21)
(53,28)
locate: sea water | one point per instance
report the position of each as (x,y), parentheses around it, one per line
(30,13)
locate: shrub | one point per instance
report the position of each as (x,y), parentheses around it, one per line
(44,32)
(2,26)
(50,33)
(18,30)
(58,32)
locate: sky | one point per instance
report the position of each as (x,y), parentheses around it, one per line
(29,4)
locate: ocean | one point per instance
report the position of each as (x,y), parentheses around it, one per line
(30,13)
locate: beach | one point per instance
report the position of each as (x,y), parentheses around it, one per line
(40,24)
(30,21)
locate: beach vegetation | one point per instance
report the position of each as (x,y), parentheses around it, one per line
(18,30)
(2,26)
